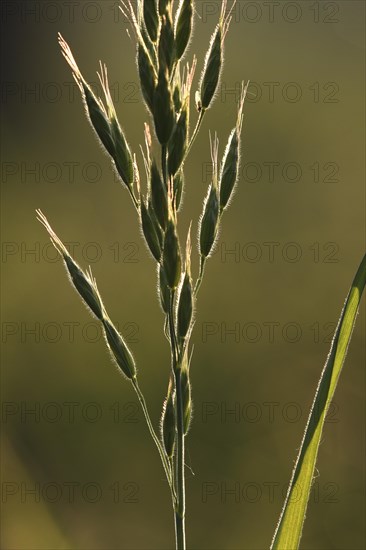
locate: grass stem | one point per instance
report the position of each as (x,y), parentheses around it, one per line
(180,478)
(165,462)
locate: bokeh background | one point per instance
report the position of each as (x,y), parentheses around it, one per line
(79,471)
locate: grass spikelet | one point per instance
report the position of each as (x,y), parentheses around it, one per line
(94,107)
(149,230)
(163,289)
(231,158)
(103,118)
(214,60)
(166,46)
(178,142)
(209,221)
(164,115)
(171,258)
(142,37)
(86,286)
(84,283)
(147,76)
(119,350)
(185,295)
(178,186)
(183,26)
(151,18)
(159,196)
(122,155)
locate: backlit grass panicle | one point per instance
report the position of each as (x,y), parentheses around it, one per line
(214,60)
(163,31)
(230,162)
(168,421)
(209,221)
(183,26)
(161,46)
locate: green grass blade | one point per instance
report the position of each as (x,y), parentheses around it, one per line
(289,528)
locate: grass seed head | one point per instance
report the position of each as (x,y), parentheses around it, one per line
(183,26)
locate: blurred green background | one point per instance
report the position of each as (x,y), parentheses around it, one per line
(78,468)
